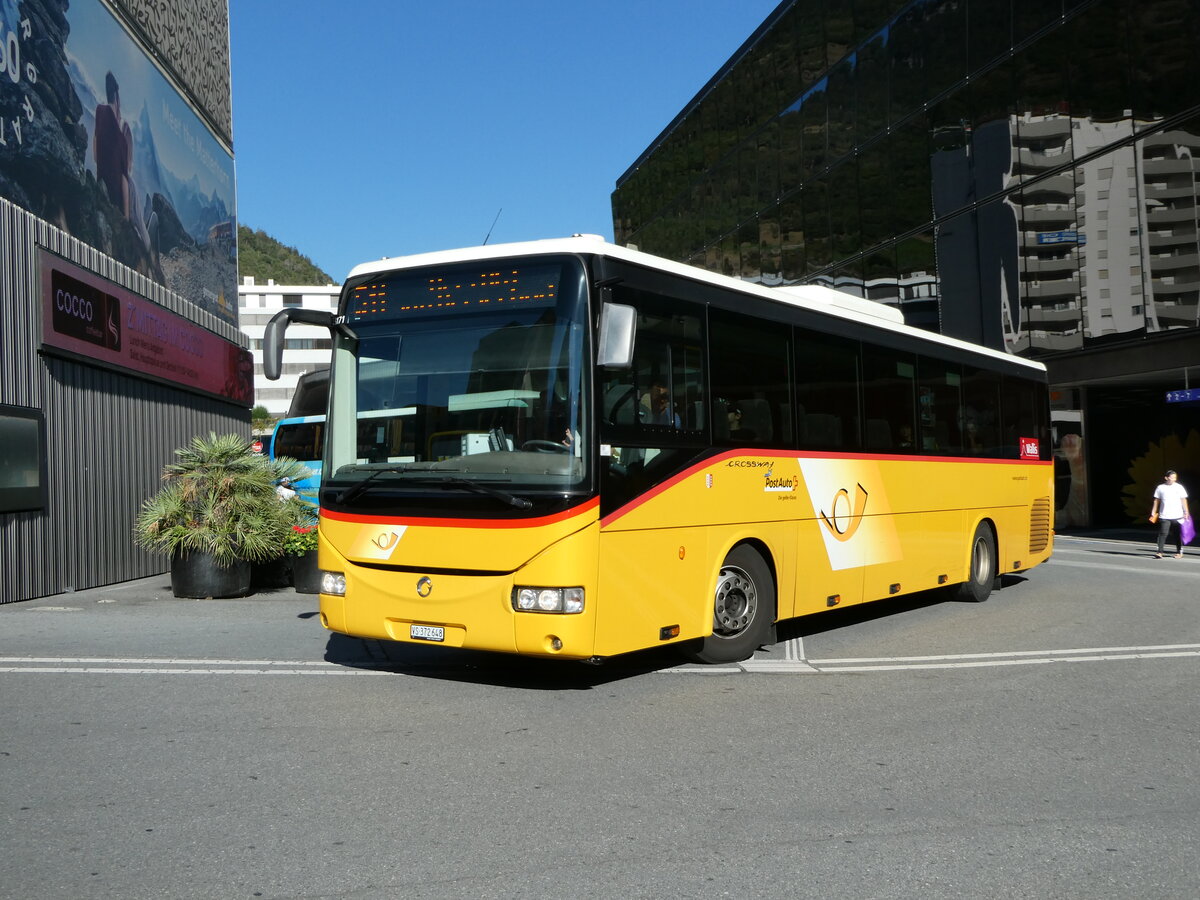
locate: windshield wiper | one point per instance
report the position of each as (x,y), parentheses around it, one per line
(510,499)
(359,486)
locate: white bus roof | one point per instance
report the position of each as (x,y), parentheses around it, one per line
(806,296)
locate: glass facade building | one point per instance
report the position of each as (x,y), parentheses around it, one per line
(1017,173)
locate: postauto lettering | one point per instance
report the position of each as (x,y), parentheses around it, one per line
(73,305)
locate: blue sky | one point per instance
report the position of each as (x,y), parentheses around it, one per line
(375,128)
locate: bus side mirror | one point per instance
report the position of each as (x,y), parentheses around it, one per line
(273,336)
(618,324)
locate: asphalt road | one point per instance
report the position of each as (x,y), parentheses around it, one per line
(1042,744)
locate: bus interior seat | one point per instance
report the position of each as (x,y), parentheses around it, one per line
(941,436)
(756,418)
(620,404)
(720,420)
(879,434)
(822,430)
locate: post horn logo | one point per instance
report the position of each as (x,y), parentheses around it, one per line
(424,586)
(385,540)
(846,518)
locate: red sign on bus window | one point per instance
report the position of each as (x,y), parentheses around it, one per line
(1030,448)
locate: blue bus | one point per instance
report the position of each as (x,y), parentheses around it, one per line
(301,437)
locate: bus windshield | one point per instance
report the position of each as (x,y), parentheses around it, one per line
(470,375)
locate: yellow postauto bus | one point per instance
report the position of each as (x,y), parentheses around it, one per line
(570,449)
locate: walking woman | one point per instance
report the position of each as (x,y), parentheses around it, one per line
(1170,507)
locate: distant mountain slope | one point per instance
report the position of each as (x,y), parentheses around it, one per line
(262,256)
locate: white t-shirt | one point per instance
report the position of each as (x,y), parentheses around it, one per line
(1170,499)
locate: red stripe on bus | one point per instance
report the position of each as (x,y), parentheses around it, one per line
(802,454)
(580,510)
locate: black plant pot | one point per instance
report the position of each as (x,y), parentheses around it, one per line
(306,577)
(270,574)
(196,576)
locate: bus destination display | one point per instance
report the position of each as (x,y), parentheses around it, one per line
(464,291)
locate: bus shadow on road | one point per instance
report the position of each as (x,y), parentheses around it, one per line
(496,669)
(836,619)
(534,673)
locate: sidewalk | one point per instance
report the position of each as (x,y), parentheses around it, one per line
(1147,535)
(158,587)
(151,589)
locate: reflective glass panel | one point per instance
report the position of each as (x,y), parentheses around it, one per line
(814,121)
(879,276)
(989,31)
(909,147)
(841,109)
(1099,73)
(1030,16)
(791,226)
(876,187)
(873,86)
(944,26)
(816,224)
(918,280)
(844,210)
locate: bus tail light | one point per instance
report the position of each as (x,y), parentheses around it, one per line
(547,599)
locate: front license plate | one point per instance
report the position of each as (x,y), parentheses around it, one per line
(427,632)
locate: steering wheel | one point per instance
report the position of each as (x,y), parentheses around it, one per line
(545,446)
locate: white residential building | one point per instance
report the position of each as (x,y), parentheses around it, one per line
(306,347)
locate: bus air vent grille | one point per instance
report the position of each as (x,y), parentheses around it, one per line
(1039,525)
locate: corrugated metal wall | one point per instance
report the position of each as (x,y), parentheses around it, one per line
(108,435)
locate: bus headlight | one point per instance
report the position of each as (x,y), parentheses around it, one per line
(333,583)
(548,600)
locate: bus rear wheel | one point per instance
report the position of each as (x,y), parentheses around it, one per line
(978,585)
(743,609)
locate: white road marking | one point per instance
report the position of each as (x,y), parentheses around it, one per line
(1137,570)
(789,665)
(949,661)
(150,666)
(1006,654)
(794,649)
(95,670)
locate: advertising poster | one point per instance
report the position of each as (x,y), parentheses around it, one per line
(95,140)
(86,316)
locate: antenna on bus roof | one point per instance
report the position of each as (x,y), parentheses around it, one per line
(489,234)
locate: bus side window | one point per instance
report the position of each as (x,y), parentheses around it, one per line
(750,381)
(1021,415)
(888,395)
(981,412)
(939,396)
(660,397)
(826,370)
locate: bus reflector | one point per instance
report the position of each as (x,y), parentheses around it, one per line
(833,599)
(894,589)
(671,631)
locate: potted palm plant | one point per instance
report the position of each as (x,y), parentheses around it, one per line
(216,513)
(300,546)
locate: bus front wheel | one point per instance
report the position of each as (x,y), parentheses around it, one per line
(978,585)
(743,609)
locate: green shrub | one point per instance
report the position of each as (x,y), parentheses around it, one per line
(219,498)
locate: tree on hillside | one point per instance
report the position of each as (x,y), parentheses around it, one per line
(262,256)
